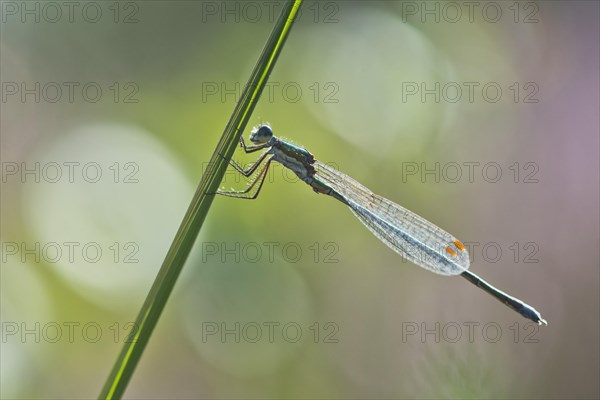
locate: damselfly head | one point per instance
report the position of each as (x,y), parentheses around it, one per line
(261,134)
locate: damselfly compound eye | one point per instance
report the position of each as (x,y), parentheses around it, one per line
(261,134)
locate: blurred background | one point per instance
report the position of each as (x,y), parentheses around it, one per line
(480,116)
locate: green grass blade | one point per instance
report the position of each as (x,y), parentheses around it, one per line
(192,222)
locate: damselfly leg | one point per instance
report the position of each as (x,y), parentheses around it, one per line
(252,149)
(248,172)
(248,193)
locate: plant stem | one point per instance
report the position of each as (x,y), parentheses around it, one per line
(192,221)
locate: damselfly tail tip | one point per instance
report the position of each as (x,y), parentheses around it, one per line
(532,314)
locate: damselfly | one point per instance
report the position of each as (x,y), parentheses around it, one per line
(408,234)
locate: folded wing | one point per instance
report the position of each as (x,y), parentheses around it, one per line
(408,234)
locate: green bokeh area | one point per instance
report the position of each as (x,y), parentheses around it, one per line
(483,120)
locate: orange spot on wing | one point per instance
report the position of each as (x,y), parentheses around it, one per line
(449,250)
(459,245)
